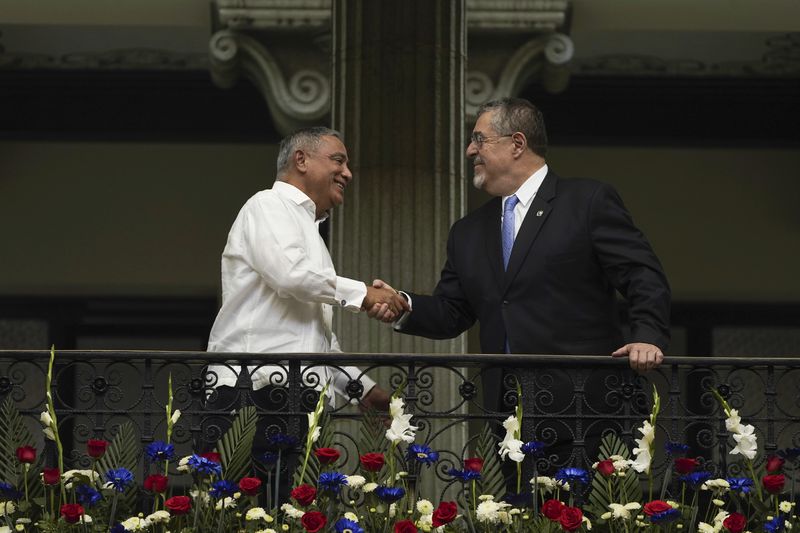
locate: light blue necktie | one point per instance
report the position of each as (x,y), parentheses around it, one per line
(508,227)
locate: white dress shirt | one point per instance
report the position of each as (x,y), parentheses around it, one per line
(278,289)
(526,193)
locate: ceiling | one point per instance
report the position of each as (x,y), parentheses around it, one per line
(611,37)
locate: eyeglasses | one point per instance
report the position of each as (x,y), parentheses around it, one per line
(479,139)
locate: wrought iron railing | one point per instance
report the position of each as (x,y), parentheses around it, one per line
(568,402)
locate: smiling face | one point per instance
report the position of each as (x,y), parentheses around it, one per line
(492,157)
(326,174)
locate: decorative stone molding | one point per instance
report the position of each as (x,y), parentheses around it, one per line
(301,98)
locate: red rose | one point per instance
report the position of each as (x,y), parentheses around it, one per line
(156,483)
(774,463)
(473,465)
(606,467)
(445,513)
(372,462)
(327,456)
(26,454)
(774,483)
(405,526)
(178,505)
(735,523)
(250,485)
(571,518)
(304,494)
(212,456)
(685,465)
(96,448)
(313,521)
(51,476)
(71,512)
(552,509)
(656,507)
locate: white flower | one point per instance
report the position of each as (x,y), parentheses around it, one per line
(134,523)
(268,530)
(86,520)
(183,464)
(158,517)
(702,527)
(8,507)
(351,516)
(175,416)
(49,433)
(401,429)
(544,483)
(643,450)
(5,529)
(315,434)
(717,485)
(425,522)
(512,448)
(291,511)
(489,510)
(392,510)
(721,516)
(91,474)
(745,442)
(256,513)
(732,423)
(369,487)
(46,419)
(23,520)
(226,502)
(485,497)
(396,407)
(424,507)
(511,424)
(355,481)
(623,512)
(785,506)
(587,523)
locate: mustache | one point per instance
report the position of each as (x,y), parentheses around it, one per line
(477,161)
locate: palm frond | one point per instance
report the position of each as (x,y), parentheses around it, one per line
(625,489)
(236,445)
(492,479)
(372,433)
(123,452)
(13,434)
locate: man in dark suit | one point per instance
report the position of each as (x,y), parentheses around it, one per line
(539,265)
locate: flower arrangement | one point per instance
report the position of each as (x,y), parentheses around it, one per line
(220,491)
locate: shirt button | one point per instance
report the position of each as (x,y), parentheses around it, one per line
(505,302)
(344,303)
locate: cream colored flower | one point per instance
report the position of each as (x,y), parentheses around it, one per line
(785,507)
(488,511)
(291,511)
(717,485)
(622,512)
(733,422)
(353,517)
(256,513)
(158,517)
(355,482)
(134,523)
(226,502)
(424,507)
(369,487)
(746,442)
(401,429)
(176,415)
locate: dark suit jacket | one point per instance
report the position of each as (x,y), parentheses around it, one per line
(575,248)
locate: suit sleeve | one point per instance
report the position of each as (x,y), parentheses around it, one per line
(631,266)
(446,313)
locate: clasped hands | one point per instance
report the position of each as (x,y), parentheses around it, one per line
(384,303)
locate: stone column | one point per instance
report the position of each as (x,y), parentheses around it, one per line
(398,98)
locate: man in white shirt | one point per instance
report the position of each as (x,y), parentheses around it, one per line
(279,285)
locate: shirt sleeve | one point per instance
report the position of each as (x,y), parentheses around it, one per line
(274,246)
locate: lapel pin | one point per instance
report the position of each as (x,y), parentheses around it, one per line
(539,213)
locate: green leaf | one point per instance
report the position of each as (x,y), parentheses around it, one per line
(624,489)
(372,433)
(13,434)
(122,452)
(492,479)
(236,445)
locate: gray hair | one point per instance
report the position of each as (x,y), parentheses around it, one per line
(307,139)
(517,115)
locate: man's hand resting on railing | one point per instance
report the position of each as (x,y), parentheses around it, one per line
(642,356)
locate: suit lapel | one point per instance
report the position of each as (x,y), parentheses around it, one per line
(534,219)
(494,246)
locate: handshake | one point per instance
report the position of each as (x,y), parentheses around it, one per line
(384,303)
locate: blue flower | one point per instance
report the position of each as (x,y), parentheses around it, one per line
(347,526)
(775,525)
(676,448)
(790,453)
(9,492)
(87,495)
(389,494)
(332,481)
(118,528)
(696,479)
(422,454)
(269,458)
(464,475)
(119,478)
(222,488)
(160,451)
(533,447)
(569,475)
(522,499)
(281,441)
(669,515)
(741,484)
(204,466)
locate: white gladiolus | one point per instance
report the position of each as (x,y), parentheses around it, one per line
(175,416)
(511,446)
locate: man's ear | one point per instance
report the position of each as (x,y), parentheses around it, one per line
(300,160)
(520,143)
